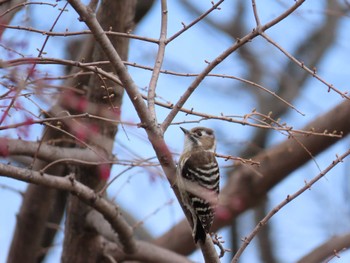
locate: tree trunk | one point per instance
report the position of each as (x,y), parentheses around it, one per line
(105,97)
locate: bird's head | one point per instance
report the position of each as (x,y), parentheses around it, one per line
(199,138)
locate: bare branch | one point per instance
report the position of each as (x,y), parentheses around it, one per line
(77,33)
(289,198)
(303,66)
(256,15)
(91,66)
(159,61)
(155,134)
(9,9)
(144,252)
(219,59)
(329,249)
(201,17)
(48,152)
(68,183)
(131,89)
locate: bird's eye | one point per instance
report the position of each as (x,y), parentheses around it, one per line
(199,133)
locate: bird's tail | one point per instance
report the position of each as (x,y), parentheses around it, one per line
(200,233)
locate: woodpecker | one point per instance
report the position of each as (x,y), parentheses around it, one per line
(198,167)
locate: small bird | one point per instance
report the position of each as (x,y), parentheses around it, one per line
(198,168)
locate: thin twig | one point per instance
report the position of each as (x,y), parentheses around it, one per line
(242,160)
(240,42)
(303,66)
(76,33)
(30,72)
(159,61)
(132,64)
(75,161)
(248,239)
(132,165)
(256,15)
(214,7)
(25,4)
(92,66)
(61,118)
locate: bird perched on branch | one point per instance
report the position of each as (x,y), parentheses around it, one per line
(198,179)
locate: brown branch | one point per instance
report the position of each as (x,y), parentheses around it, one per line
(201,17)
(155,134)
(86,66)
(23,250)
(77,33)
(63,118)
(84,193)
(312,72)
(106,95)
(249,37)
(263,222)
(158,61)
(48,152)
(18,5)
(327,250)
(91,66)
(166,105)
(89,18)
(144,252)
(311,51)
(8,10)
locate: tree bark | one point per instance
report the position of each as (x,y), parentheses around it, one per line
(328,250)
(32,219)
(117,16)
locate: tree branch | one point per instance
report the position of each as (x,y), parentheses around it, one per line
(155,134)
(327,250)
(89,18)
(159,61)
(84,193)
(289,198)
(47,152)
(144,252)
(240,42)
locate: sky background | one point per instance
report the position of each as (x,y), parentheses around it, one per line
(303,224)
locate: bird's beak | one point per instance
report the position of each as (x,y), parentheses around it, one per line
(184,130)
